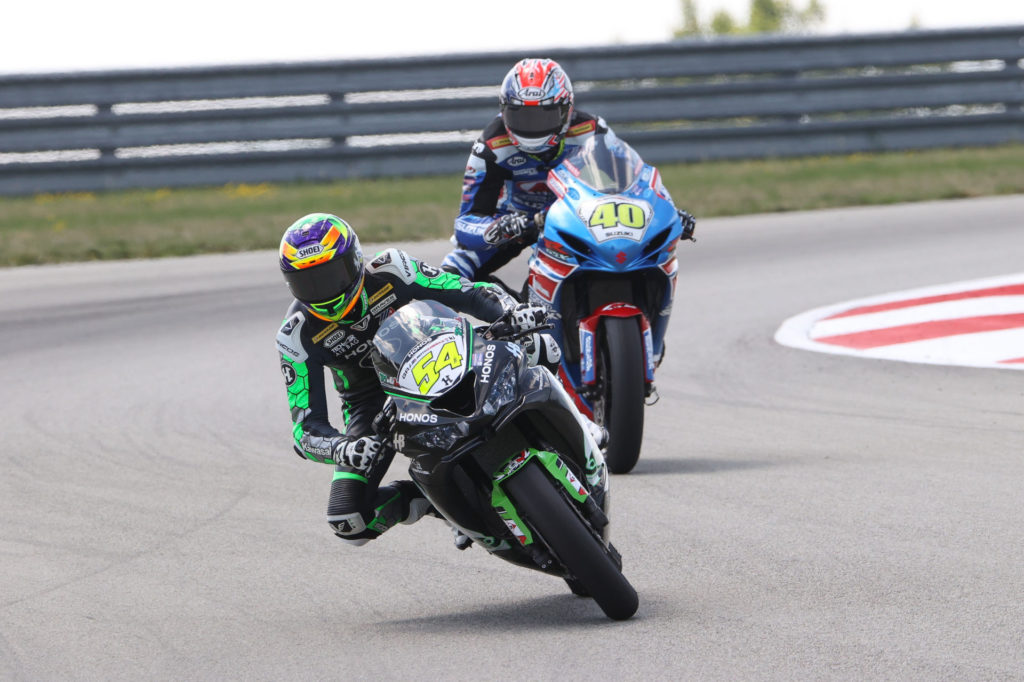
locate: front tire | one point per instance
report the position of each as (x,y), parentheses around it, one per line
(620,407)
(563,530)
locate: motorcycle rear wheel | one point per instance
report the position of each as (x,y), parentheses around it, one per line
(564,532)
(621,402)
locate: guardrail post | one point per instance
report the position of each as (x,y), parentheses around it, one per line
(106,111)
(338,140)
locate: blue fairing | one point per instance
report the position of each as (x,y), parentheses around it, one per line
(614,226)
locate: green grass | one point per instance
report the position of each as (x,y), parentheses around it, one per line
(177,222)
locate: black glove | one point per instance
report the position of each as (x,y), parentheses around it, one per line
(358,453)
(384,423)
(538,220)
(506,228)
(689,224)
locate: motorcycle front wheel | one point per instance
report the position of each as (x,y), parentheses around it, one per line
(550,514)
(619,406)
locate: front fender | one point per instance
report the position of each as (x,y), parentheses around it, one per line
(588,340)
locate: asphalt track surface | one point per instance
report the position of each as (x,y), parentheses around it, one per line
(794,515)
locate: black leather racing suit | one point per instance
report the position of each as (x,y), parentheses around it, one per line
(499,180)
(360,508)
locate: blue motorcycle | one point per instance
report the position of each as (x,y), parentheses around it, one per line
(605,264)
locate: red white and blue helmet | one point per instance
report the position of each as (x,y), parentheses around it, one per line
(323,265)
(536,104)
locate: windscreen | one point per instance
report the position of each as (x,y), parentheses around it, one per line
(605,163)
(409,327)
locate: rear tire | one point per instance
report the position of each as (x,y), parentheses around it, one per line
(562,529)
(621,363)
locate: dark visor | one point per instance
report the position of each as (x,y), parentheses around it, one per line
(324,282)
(535,121)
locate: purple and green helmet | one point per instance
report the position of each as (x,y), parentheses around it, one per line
(323,264)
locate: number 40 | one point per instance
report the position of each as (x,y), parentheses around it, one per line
(612,213)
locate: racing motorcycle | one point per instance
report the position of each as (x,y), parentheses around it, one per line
(605,263)
(498,448)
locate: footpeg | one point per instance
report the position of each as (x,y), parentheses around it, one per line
(462,541)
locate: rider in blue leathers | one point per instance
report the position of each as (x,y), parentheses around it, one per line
(504,190)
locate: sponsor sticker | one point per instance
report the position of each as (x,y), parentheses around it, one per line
(499,142)
(429,270)
(530,93)
(334,338)
(582,128)
(289,373)
(382,305)
(325,331)
(380,292)
(307,251)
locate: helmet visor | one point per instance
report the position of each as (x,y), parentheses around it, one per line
(526,121)
(339,307)
(325,281)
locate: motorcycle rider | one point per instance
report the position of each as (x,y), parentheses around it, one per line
(504,190)
(329,328)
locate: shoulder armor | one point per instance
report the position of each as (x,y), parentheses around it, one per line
(289,338)
(393,262)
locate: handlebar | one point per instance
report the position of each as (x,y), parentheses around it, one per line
(502,330)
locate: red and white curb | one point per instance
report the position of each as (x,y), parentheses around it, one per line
(979,323)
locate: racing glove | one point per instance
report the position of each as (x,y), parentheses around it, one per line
(527,317)
(358,454)
(541,349)
(539,218)
(689,224)
(506,228)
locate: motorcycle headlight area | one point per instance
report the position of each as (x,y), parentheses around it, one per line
(441,437)
(503,390)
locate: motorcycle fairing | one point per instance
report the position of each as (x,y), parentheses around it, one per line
(558,470)
(609,238)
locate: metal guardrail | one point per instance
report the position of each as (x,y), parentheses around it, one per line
(675,101)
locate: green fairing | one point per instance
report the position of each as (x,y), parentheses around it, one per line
(555,467)
(559,471)
(505,509)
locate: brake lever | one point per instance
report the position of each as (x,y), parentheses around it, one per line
(384,423)
(523,334)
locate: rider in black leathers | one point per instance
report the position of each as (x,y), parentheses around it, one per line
(330,327)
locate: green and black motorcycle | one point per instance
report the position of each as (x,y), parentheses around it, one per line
(499,449)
